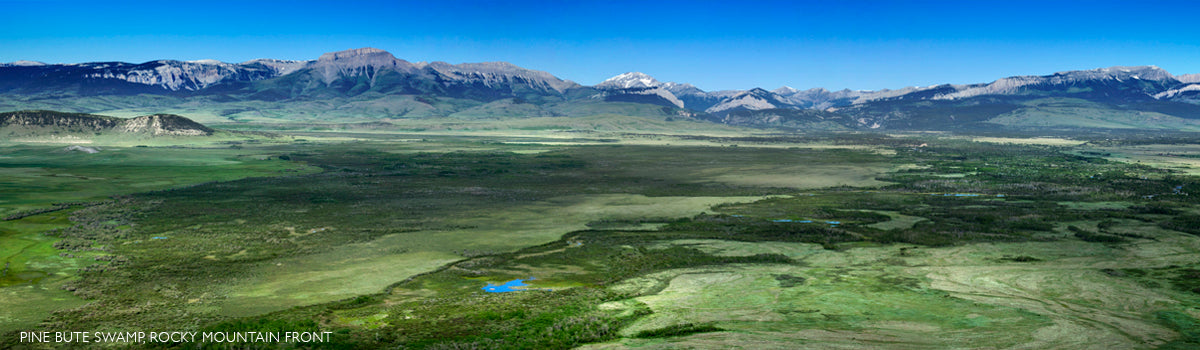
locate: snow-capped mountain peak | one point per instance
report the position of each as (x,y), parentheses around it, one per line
(785,90)
(637,83)
(630,80)
(207,61)
(22,63)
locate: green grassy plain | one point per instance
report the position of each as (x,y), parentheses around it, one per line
(41,177)
(291,241)
(1183,158)
(642,241)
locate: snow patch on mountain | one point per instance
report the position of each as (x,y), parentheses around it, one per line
(1176,92)
(279,67)
(205,61)
(22,63)
(1188,78)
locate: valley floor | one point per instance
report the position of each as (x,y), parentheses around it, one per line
(837,241)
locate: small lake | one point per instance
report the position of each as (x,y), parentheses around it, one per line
(507,286)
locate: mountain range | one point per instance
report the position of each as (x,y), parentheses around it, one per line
(373,85)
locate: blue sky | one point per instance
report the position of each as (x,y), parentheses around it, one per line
(712,44)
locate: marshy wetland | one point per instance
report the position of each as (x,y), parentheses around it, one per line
(633,241)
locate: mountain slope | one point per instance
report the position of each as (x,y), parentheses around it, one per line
(753,100)
(343,73)
(1126,83)
(119,78)
(367,85)
(1116,92)
(374,73)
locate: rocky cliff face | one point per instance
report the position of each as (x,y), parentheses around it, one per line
(51,119)
(500,75)
(364,62)
(59,122)
(753,100)
(340,70)
(179,75)
(380,85)
(163,125)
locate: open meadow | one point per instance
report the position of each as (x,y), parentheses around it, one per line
(619,240)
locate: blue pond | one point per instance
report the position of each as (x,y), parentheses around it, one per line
(790,220)
(507,286)
(158,237)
